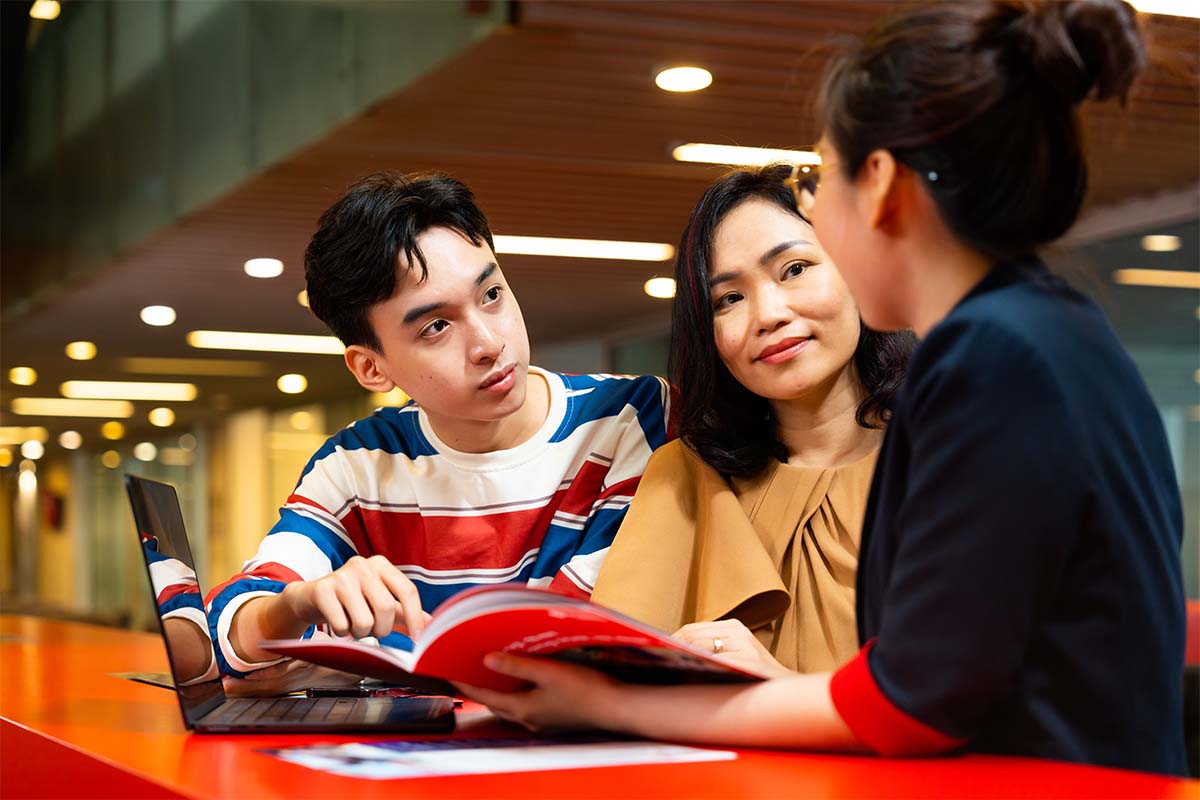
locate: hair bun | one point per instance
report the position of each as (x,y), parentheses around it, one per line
(1077,46)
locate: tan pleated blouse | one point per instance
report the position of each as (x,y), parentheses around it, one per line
(778,552)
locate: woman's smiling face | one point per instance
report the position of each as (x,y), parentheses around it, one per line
(784,321)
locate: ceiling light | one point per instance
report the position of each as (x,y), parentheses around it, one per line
(145,451)
(81,351)
(45,9)
(111,459)
(27,482)
(741,156)
(683,79)
(62,407)
(263,267)
(266,342)
(226,368)
(663,288)
(23,376)
(1164,278)
(187,442)
(70,440)
(33,450)
(128,390)
(396,397)
(1173,8)
(1161,243)
(10,434)
(6,457)
(302,298)
(161,417)
(584,248)
(158,316)
(112,430)
(292,383)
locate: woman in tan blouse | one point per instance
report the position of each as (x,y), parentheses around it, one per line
(743,535)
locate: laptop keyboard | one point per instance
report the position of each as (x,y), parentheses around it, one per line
(249,712)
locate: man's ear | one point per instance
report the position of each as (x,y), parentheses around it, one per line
(363,362)
(879,188)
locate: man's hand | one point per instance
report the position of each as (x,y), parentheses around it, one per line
(366,597)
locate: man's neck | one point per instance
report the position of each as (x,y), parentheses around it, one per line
(488,436)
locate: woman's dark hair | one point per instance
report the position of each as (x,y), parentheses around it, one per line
(352,262)
(978,98)
(725,423)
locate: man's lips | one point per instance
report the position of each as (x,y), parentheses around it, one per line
(497,376)
(782,350)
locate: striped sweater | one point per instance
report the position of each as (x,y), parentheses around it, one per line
(543,513)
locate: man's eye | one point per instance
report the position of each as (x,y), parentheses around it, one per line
(434,328)
(492,294)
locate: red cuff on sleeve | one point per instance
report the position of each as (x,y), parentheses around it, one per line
(875,720)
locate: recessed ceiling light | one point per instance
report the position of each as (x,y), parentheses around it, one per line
(15,434)
(187,442)
(70,440)
(1172,8)
(266,342)
(263,267)
(1163,278)
(683,79)
(6,457)
(161,417)
(662,288)
(81,351)
(45,9)
(292,383)
(701,153)
(62,407)
(584,248)
(302,298)
(33,450)
(111,459)
(23,376)
(128,390)
(158,316)
(145,451)
(112,430)
(1161,243)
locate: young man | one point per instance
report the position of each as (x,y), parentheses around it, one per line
(495,472)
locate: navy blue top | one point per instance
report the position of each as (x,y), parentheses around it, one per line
(1021,554)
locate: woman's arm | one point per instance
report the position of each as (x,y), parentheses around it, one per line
(794,711)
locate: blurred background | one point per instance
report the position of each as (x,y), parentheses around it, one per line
(164,163)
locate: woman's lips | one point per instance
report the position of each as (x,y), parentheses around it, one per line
(782,351)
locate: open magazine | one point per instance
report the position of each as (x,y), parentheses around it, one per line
(530,622)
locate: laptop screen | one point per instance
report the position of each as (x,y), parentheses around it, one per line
(177,596)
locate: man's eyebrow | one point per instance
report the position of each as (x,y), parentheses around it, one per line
(488,271)
(415,314)
(780,248)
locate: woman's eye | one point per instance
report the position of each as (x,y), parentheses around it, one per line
(492,294)
(795,269)
(726,300)
(434,328)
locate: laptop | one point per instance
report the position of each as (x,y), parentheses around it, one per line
(179,600)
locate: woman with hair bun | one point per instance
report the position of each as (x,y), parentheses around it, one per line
(1019,585)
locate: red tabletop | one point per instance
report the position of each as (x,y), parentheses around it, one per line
(68,729)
